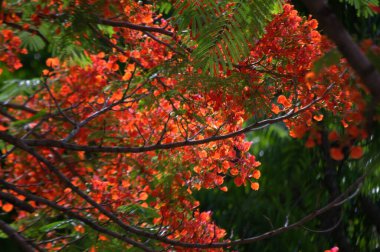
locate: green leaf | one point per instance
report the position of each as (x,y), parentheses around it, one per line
(180,111)
(107,30)
(3,235)
(199,119)
(363,6)
(165,8)
(32,42)
(330,58)
(146,212)
(13,88)
(214,25)
(57,225)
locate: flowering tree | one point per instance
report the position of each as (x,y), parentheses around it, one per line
(140,104)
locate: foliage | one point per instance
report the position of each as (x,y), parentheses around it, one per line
(135,111)
(363,7)
(222,30)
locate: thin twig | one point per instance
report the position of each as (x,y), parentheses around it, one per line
(57,105)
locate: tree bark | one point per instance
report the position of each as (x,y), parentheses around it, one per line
(332,217)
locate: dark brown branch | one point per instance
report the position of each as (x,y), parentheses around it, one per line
(188,142)
(137,27)
(336,202)
(28,133)
(333,188)
(164,43)
(74,215)
(32,111)
(71,242)
(7,115)
(21,145)
(18,238)
(121,149)
(350,50)
(327,230)
(16,202)
(55,239)
(17,106)
(106,40)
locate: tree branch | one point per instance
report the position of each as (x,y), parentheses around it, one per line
(335,203)
(74,215)
(187,142)
(16,202)
(13,235)
(350,50)
(136,27)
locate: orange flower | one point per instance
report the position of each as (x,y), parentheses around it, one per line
(224,188)
(318,118)
(356,152)
(345,125)
(353,131)
(284,101)
(310,143)
(256,174)
(143,196)
(234,171)
(298,131)
(102,238)
(197,169)
(238,181)
(333,136)
(203,154)
(52,62)
(255,186)
(219,180)
(122,58)
(79,229)
(127,76)
(310,76)
(336,154)
(7,207)
(275,109)
(226,164)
